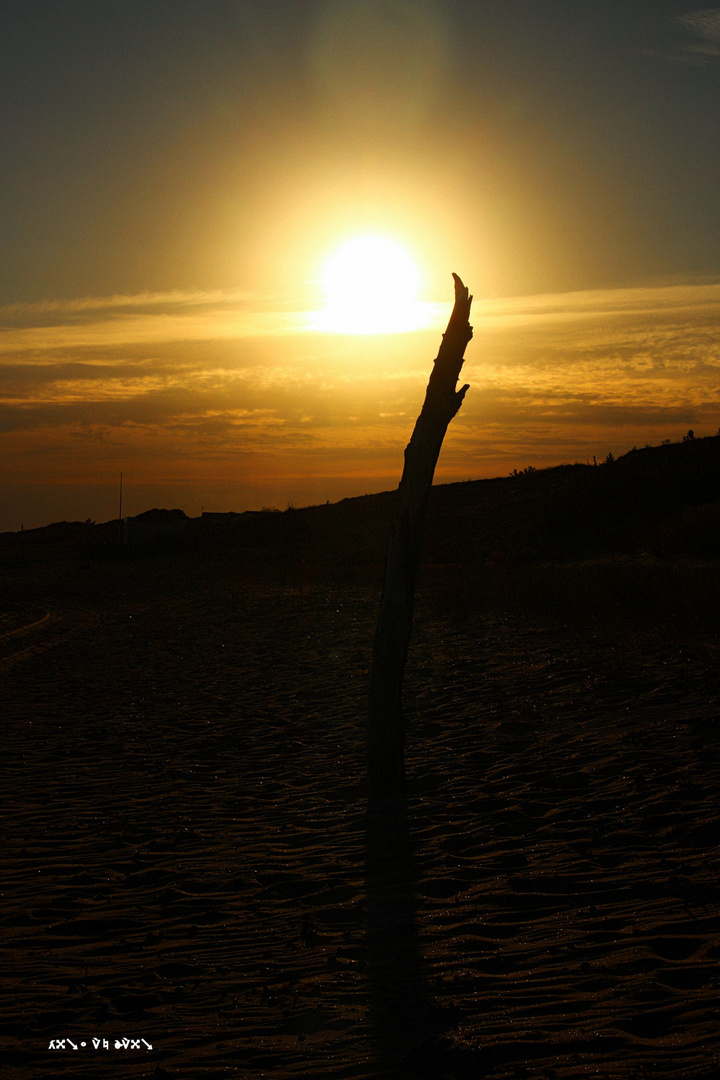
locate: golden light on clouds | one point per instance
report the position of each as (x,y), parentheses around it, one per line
(228,400)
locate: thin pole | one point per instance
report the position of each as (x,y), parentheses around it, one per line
(120,513)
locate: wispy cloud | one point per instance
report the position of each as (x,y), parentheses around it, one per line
(184,298)
(160,317)
(188,384)
(144,319)
(702,37)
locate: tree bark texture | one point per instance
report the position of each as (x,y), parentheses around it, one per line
(385,727)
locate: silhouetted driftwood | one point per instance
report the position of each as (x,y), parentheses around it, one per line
(385,728)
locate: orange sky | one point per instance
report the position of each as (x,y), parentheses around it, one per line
(216,401)
(176,174)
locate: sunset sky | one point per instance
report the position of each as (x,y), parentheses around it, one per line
(176,174)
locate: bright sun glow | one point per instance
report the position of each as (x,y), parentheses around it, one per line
(371,286)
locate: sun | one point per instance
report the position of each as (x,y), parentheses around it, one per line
(371,286)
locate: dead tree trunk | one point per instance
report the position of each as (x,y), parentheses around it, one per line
(385,728)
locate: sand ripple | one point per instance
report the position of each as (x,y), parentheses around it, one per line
(185,861)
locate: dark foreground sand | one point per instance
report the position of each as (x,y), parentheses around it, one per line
(187,861)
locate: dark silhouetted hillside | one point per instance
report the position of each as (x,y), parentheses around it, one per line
(661,501)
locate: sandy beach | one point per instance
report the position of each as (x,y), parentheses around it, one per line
(188,864)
